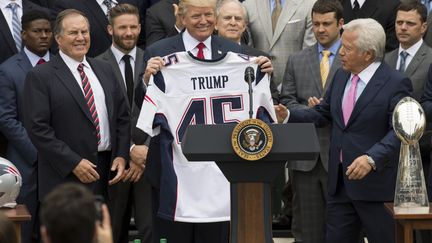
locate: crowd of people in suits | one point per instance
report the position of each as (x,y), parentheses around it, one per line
(73,77)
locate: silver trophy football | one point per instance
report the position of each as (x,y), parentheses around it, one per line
(409,123)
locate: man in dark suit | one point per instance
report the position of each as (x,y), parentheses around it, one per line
(161,21)
(383,11)
(37,38)
(134,192)
(308,75)
(75,113)
(364,149)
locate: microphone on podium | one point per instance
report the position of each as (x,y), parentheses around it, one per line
(249,77)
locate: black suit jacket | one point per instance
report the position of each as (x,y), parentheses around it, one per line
(162,48)
(99,37)
(383,11)
(59,123)
(160,21)
(7,42)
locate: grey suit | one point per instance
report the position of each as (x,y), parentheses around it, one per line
(302,80)
(293,31)
(417,69)
(126,194)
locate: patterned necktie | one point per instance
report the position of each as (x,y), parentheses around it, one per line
(91,104)
(128,78)
(41,61)
(275,14)
(16,25)
(403,55)
(325,66)
(350,99)
(109,4)
(200,53)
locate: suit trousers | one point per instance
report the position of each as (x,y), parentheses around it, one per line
(310,188)
(346,218)
(100,187)
(184,232)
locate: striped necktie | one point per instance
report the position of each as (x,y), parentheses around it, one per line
(91,104)
(16,25)
(403,55)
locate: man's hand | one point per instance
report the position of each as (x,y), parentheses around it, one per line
(118,164)
(178,24)
(103,229)
(154,65)
(313,101)
(359,168)
(138,155)
(281,112)
(134,173)
(85,171)
(265,64)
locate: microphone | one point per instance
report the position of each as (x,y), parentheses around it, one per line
(249,77)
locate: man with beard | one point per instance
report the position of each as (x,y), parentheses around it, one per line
(126,60)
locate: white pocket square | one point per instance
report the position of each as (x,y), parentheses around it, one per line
(293,21)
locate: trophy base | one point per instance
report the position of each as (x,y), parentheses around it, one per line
(411,208)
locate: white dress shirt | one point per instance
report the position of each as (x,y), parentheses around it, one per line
(411,52)
(34,59)
(191,43)
(99,97)
(7,12)
(118,55)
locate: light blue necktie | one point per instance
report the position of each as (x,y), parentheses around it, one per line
(16,25)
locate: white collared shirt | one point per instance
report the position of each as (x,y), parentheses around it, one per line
(411,52)
(34,59)
(99,97)
(364,78)
(118,55)
(104,7)
(7,12)
(361,2)
(191,45)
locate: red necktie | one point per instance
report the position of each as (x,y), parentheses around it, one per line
(200,53)
(88,95)
(41,61)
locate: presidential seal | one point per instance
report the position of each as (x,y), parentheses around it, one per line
(252,139)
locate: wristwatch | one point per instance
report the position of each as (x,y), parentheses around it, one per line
(371,162)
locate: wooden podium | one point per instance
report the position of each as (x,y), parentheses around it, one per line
(405,224)
(251,219)
(17,215)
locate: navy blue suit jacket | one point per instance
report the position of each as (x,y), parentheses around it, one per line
(59,123)
(20,150)
(369,131)
(162,48)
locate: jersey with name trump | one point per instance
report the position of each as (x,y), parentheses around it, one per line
(192,91)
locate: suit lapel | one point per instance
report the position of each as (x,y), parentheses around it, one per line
(139,66)
(108,56)
(333,68)
(392,58)
(65,76)
(104,82)
(263,6)
(286,15)
(371,90)
(416,61)
(23,62)
(314,67)
(217,49)
(6,33)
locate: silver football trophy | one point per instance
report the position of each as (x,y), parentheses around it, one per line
(409,123)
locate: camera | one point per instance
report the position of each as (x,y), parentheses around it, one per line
(98,205)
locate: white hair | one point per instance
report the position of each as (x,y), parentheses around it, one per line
(370,36)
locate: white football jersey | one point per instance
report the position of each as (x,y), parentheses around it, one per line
(191,91)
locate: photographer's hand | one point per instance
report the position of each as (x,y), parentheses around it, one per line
(103,229)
